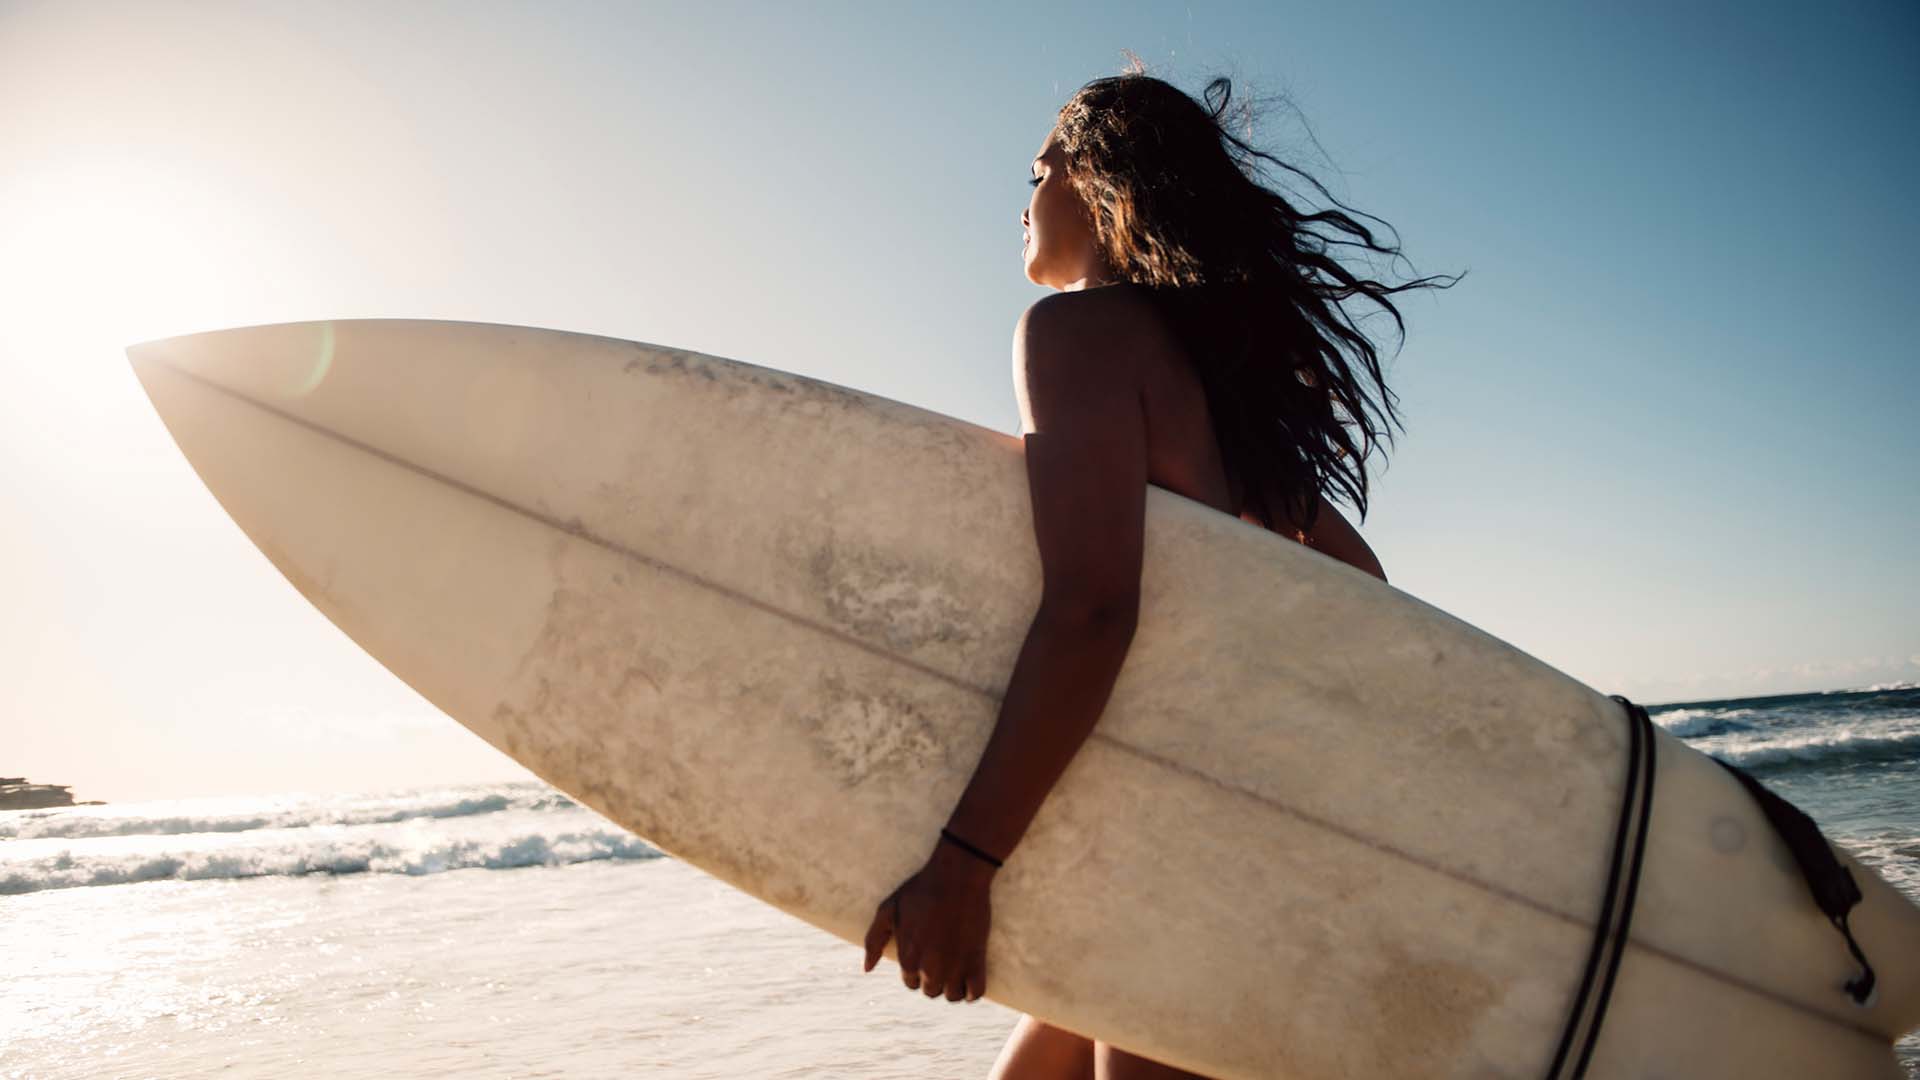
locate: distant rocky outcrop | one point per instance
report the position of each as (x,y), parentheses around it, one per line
(17,794)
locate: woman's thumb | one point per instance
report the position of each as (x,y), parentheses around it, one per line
(881,930)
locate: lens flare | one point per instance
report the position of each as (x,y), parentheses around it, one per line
(318,366)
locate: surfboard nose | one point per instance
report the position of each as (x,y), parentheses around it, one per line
(145,357)
(278,363)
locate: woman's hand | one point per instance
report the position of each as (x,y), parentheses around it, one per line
(938,919)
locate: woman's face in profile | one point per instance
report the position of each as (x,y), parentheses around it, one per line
(1059,250)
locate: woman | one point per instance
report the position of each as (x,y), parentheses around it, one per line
(1195,341)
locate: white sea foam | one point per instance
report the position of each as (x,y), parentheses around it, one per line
(348,853)
(409,833)
(234,815)
(1692,722)
(1833,744)
(1892,854)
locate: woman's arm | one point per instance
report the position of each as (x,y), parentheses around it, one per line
(1083,416)
(1081,407)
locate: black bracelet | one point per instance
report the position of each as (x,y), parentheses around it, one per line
(968,848)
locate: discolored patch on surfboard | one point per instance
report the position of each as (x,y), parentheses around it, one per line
(889,601)
(1727,835)
(656,360)
(594,712)
(736,379)
(1425,1010)
(316,587)
(863,731)
(589,670)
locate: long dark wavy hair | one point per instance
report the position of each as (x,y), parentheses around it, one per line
(1177,204)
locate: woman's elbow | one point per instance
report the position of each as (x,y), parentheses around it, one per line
(1107,615)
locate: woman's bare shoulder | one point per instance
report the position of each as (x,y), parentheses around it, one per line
(1069,344)
(1121,319)
(1120,300)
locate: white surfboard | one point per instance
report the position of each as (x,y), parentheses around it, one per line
(1322,830)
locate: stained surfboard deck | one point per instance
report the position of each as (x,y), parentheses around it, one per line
(1322,830)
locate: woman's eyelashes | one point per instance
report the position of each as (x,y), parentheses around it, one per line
(1033,181)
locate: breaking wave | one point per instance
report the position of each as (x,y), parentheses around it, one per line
(1691,723)
(189,816)
(74,867)
(1818,748)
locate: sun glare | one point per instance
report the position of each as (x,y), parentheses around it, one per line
(105,257)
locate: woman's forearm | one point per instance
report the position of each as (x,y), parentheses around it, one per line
(1060,684)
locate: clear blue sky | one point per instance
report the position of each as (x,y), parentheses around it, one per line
(1660,436)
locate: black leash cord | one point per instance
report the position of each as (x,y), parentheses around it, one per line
(1640,759)
(1644,725)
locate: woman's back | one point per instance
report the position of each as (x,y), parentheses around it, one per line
(1183,450)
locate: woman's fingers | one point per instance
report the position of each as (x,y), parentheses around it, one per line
(977,977)
(928,970)
(906,949)
(880,931)
(926,952)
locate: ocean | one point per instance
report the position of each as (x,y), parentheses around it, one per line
(502,930)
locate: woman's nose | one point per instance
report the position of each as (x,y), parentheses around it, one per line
(1023,220)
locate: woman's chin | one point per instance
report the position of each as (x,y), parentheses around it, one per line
(1033,273)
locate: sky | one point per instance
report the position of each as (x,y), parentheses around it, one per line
(1660,437)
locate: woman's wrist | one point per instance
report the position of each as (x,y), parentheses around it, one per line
(947,835)
(954,863)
